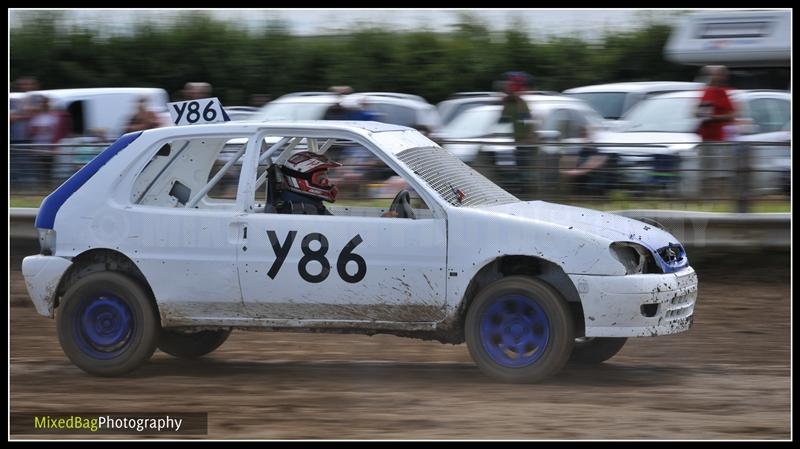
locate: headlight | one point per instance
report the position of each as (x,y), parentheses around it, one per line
(632,256)
(47,241)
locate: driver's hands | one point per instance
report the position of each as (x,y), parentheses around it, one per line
(390,214)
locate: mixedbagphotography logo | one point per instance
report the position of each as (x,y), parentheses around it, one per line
(110,423)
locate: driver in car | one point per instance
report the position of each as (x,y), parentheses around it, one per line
(305,185)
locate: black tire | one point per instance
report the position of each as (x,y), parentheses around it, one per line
(592,351)
(561,332)
(191,345)
(89,296)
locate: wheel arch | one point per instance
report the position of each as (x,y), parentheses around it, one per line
(101,259)
(535,267)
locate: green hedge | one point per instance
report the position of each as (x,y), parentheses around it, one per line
(272,61)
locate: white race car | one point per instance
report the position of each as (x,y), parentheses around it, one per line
(136,254)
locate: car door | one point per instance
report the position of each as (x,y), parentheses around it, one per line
(188,254)
(343,268)
(354,265)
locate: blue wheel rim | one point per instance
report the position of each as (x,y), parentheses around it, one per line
(514,330)
(103,326)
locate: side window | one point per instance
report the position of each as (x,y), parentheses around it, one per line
(355,182)
(196,172)
(77,118)
(769,114)
(364,179)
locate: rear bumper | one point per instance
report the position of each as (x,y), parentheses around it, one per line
(637,305)
(42,275)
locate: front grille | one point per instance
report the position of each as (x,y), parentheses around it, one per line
(682,305)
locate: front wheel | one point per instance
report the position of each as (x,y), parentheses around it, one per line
(519,329)
(592,351)
(191,345)
(107,324)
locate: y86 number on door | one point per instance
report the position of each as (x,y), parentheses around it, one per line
(318,255)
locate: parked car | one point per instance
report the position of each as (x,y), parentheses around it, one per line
(613,100)
(395,108)
(557,117)
(564,125)
(663,127)
(136,254)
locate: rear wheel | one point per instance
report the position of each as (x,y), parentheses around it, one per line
(107,324)
(519,329)
(191,345)
(596,350)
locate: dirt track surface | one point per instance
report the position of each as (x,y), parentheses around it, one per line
(727,378)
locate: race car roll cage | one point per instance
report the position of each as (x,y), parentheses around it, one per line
(318,141)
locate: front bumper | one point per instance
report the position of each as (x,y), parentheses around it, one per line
(42,275)
(637,305)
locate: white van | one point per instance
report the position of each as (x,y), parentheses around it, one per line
(106,108)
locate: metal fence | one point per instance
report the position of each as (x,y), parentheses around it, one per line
(739,173)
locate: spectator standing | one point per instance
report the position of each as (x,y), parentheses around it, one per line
(196,90)
(47,126)
(517,113)
(338,111)
(359,110)
(717,113)
(20,112)
(143,118)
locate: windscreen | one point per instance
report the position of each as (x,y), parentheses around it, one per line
(609,104)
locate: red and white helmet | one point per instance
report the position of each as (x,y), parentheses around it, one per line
(307,173)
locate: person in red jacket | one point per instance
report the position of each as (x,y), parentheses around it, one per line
(715,109)
(717,115)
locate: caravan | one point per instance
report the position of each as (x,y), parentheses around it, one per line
(754,44)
